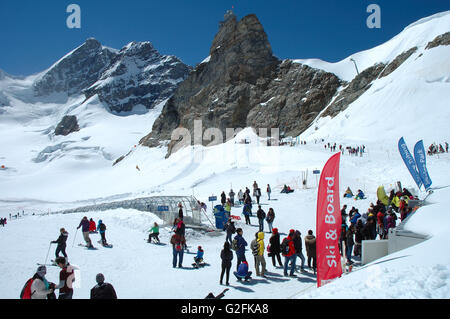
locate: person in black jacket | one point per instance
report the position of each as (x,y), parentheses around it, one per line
(298,248)
(61,241)
(103,290)
(227,256)
(275,248)
(261,214)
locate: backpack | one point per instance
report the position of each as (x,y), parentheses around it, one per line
(254,247)
(285,247)
(234,244)
(26,290)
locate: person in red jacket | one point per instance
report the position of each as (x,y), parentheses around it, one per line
(290,256)
(380,224)
(92,226)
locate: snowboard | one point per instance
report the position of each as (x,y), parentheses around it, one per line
(199,265)
(88,248)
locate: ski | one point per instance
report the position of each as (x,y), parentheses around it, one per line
(106,246)
(88,248)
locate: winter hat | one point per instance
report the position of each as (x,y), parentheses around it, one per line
(100,278)
(199,247)
(60,260)
(275,230)
(292,231)
(41,271)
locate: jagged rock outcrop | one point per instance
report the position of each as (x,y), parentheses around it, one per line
(242,84)
(76,71)
(360,84)
(443,39)
(136,75)
(391,67)
(68,124)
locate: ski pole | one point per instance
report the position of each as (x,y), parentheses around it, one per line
(74,237)
(49,246)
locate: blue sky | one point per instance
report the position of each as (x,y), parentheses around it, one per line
(34,35)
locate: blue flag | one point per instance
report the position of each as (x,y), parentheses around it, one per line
(421,163)
(409,161)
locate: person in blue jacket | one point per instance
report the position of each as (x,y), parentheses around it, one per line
(199,257)
(242,272)
(360,195)
(241,243)
(355,217)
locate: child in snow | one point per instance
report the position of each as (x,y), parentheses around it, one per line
(199,257)
(154,232)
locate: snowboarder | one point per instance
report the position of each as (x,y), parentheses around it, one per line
(66,278)
(360,195)
(275,250)
(227,256)
(102,290)
(198,259)
(154,233)
(310,245)
(85,229)
(101,227)
(61,241)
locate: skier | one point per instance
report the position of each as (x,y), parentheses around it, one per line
(154,233)
(227,256)
(269,191)
(270,218)
(240,246)
(261,214)
(85,229)
(275,250)
(102,230)
(92,226)
(310,245)
(61,241)
(41,288)
(102,290)
(66,278)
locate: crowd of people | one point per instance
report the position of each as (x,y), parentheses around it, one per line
(38,287)
(436,149)
(374,223)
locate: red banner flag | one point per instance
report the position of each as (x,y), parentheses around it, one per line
(328,225)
